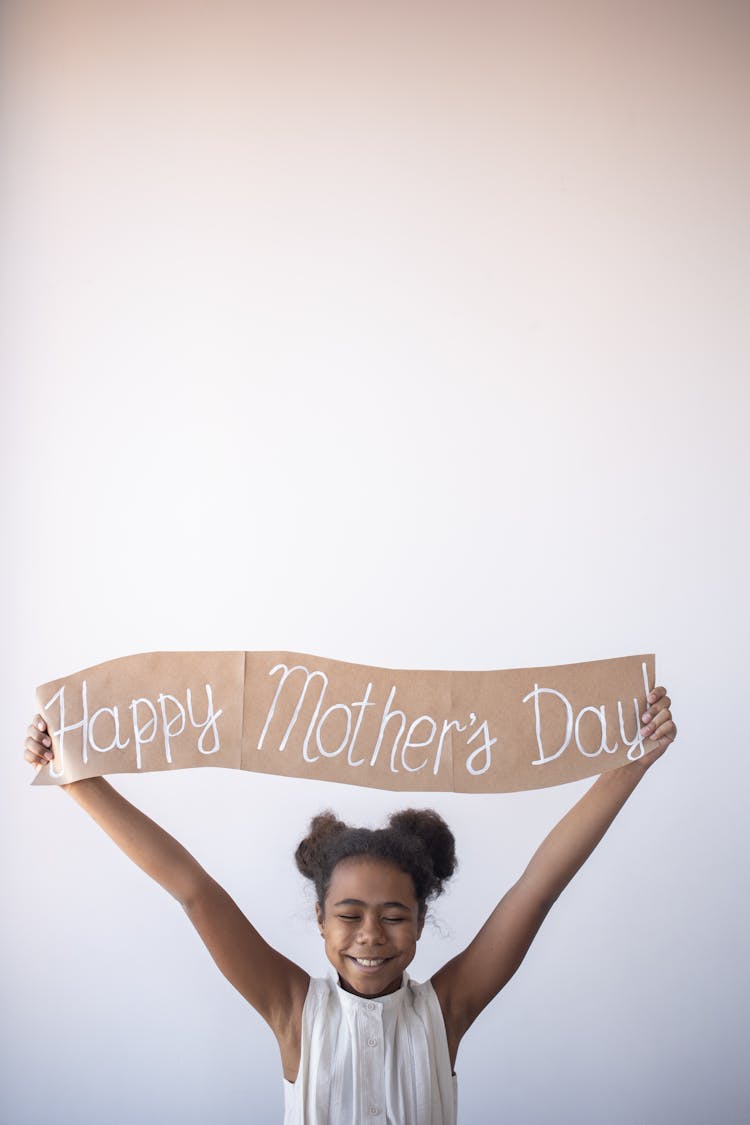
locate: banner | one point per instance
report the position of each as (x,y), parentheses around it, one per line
(307,716)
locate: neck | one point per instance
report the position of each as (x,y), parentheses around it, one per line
(344,984)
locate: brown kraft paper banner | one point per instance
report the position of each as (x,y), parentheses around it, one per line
(307,716)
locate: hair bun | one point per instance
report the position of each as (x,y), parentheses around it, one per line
(439,842)
(323,828)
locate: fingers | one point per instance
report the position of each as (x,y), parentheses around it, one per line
(658,700)
(664,732)
(38,744)
(658,724)
(657,719)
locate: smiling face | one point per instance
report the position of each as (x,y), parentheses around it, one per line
(371,924)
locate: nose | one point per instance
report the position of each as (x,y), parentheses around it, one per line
(371,931)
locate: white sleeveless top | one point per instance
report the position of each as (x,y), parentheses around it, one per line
(383,1061)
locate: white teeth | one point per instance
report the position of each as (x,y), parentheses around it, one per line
(368,963)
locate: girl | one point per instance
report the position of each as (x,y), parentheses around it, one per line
(373,1046)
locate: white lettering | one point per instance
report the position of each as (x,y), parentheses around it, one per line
(364,702)
(599,712)
(209,724)
(387,716)
(139,731)
(65,728)
(115,713)
(635,747)
(168,725)
(446,727)
(309,676)
(538,723)
(146,721)
(409,742)
(485,748)
(345,739)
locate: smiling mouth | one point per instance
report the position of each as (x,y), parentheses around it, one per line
(369,962)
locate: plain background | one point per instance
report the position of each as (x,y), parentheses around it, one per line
(410,334)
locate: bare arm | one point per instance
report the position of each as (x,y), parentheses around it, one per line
(472,979)
(275,986)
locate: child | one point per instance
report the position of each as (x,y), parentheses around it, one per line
(374,1046)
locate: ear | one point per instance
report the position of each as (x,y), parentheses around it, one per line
(420,924)
(320,917)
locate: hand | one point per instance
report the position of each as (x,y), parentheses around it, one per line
(38,743)
(658,725)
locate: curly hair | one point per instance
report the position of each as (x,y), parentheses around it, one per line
(418,841)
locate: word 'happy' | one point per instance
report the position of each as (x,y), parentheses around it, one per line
(142,725)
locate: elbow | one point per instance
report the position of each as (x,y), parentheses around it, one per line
(195,889)
(538,899)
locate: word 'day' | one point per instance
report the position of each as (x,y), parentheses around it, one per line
(574,720)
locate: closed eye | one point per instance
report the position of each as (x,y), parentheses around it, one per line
(355,918)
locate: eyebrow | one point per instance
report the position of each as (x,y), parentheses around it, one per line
(359,902)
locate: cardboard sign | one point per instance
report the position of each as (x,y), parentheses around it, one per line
(306,716)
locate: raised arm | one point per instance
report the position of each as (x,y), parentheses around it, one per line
(275,986)
(470,981)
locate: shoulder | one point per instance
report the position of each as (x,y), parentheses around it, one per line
(322,1002)
(423,998)
(420,990)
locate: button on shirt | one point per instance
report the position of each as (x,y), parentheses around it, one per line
(383,1060)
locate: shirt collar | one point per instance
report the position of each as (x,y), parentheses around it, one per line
(391,1000)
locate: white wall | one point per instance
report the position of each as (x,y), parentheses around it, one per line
(407,334)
